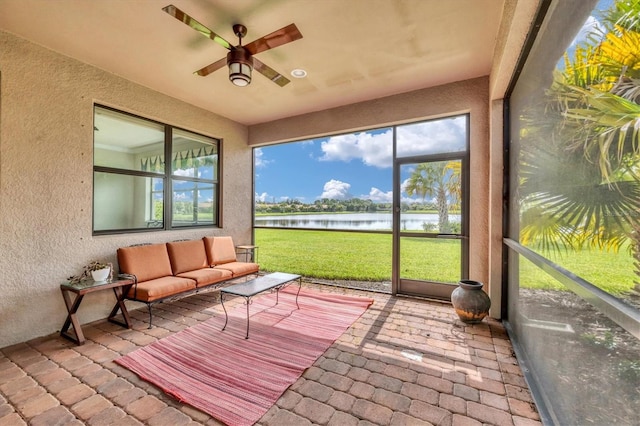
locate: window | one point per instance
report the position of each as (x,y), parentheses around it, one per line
(135,189)
(573,238)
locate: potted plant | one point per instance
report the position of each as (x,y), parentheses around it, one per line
(99,271)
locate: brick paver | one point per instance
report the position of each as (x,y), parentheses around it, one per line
(52,416)
(87,408)
(313,410)
(341,401)
(169,417)
(372,412)
(340,418)
(315,390)
(145,407)
(37,405)
(73,394)
(404,362)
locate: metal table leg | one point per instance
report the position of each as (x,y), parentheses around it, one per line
(299,287)
(247,301)
(226,316)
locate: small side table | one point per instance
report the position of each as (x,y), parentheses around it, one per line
(250,252)
(120,288)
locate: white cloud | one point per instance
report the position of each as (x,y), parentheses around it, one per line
(262,197)
(591,25)
(403,186)
(448,134)
(371,149)
(444,135)
(183,172)
(336,189)
(378,196)
(258,159)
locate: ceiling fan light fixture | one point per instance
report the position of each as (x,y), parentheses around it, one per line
(240,66)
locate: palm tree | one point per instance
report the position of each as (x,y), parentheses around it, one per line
(439,180)
(580,158)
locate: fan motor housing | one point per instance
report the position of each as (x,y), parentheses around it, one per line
(239,54)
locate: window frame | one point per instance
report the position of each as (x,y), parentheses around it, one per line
(167,176)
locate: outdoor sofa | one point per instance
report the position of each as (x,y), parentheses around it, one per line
(166,270)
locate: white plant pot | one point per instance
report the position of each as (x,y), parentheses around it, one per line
(101,274)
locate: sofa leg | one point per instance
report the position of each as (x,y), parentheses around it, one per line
(150,316)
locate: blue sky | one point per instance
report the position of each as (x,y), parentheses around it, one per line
(357,165)
(323,168)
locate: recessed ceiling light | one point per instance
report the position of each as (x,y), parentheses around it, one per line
(298,73)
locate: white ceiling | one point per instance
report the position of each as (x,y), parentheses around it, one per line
(353,50)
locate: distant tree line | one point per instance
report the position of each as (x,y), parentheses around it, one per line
(329,205)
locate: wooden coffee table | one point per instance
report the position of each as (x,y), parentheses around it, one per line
(275,281)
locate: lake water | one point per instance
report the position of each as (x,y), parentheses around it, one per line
(351,221)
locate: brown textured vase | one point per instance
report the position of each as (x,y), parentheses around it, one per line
(470,302)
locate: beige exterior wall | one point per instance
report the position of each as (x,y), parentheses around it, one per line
(46,175)
(470,96)
(496,173)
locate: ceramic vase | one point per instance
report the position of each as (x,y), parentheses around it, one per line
(100,274)
(470,301)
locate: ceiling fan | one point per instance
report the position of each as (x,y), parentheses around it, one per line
(240,58)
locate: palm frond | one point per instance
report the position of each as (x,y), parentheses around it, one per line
(612,124)
(620,50)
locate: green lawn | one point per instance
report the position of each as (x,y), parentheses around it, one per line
(367,257)
(612,272)
(322,254)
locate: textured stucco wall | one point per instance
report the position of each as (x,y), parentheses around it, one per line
(470,96)
(496,173)
(46,141)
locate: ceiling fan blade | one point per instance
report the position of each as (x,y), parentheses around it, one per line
(270,73)
(183,17)
(203,72)
(277,38)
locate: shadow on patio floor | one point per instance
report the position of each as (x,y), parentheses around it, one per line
(404,362)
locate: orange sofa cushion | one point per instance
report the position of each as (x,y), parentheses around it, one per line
(239,268)
(145,262)
(206,276)
(158,288)
(187,256)
(220,250)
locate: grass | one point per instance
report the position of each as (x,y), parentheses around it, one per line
(329,255)
(367,257)
(610,271)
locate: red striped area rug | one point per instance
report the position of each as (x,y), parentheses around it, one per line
(236,380)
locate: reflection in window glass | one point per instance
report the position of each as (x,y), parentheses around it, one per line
(127,202)
(192,203)
(130,173)
(126,142)
(193,156)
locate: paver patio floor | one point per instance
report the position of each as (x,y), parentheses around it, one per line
(406,361)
